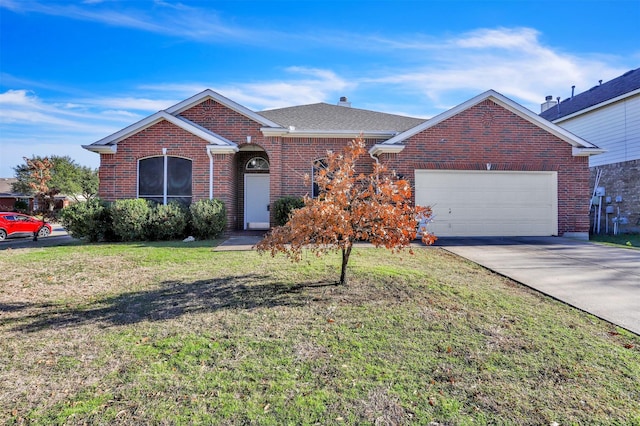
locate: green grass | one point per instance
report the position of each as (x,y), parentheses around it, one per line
(163,333)
(624,240)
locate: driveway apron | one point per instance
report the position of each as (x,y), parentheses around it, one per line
(602,280)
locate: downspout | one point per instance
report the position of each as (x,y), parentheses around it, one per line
(165,166)
(377,164)
(374,158)
(210,173)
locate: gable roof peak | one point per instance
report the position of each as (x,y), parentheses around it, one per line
(210,94)
(509,105)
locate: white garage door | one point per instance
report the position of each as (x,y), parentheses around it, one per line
(489,203)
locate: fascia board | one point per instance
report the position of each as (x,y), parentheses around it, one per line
(273,131)
(200,131)
(210,94)
(293,133)
(586,152)
(222,149)
(156,118)
(598,106)
(505,103)
(131,130)
(535,119)
(385,149)
(102,149)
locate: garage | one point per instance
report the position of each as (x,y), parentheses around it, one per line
(489,202)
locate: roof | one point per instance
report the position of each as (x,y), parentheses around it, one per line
(6,189)
(580,146)
(626,83)
(5,185)
(326,117)
(310,120)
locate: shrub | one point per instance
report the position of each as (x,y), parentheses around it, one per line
(283,207)
(167,222)
(208,218)
(20,206)
(90,220)
(130,219)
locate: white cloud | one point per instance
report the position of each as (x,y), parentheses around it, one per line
(511,61)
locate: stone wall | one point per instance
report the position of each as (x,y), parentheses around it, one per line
(620,179)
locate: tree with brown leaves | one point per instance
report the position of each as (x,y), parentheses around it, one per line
(351,207)
(39,177)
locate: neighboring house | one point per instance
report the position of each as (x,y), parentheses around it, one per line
(608,115)
(488,167)
(8,198)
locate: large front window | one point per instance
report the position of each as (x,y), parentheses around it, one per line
(164,179)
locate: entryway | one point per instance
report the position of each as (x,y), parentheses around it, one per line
(256,201)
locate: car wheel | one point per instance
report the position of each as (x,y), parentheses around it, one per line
(44,232)
(3,234)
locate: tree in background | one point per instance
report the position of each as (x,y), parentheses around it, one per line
(67,176)
(351,207)
(39,177)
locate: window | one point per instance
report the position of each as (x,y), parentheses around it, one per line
(257,163)
(318,165)
(164,179)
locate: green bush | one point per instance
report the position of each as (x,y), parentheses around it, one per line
(90,220)
(282,208)
(130,219)
(208,218)
(20,206)
(167,222)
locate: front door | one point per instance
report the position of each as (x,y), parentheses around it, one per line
(256,201)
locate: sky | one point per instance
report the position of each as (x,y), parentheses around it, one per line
(73,72)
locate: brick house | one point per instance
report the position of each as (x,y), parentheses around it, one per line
(608,115)
(488,166)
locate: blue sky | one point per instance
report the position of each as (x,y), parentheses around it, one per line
(73,72)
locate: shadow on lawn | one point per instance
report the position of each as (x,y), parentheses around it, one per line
(171,300)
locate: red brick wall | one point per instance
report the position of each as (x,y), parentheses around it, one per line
(488,133)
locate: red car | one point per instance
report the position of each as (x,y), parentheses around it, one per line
(21,225)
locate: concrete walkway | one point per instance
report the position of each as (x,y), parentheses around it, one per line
(602,280)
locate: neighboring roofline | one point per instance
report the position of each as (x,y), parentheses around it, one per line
(210,94)
(506,103)
(291,132)
(596,106)
(131,130)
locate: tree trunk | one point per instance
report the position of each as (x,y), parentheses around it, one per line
(346,252)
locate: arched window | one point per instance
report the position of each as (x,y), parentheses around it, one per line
(257,163)
(164,179)
(318,165)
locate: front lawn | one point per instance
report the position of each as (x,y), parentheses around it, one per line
(625,240)
(167,333)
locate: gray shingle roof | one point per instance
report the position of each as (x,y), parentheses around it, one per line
(626,83)
(326,117)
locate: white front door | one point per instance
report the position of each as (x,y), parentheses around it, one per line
(256,201)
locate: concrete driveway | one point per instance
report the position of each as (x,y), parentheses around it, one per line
(601,280)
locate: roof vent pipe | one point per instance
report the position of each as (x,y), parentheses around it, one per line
(573,88)
(558,99)
(344,102)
